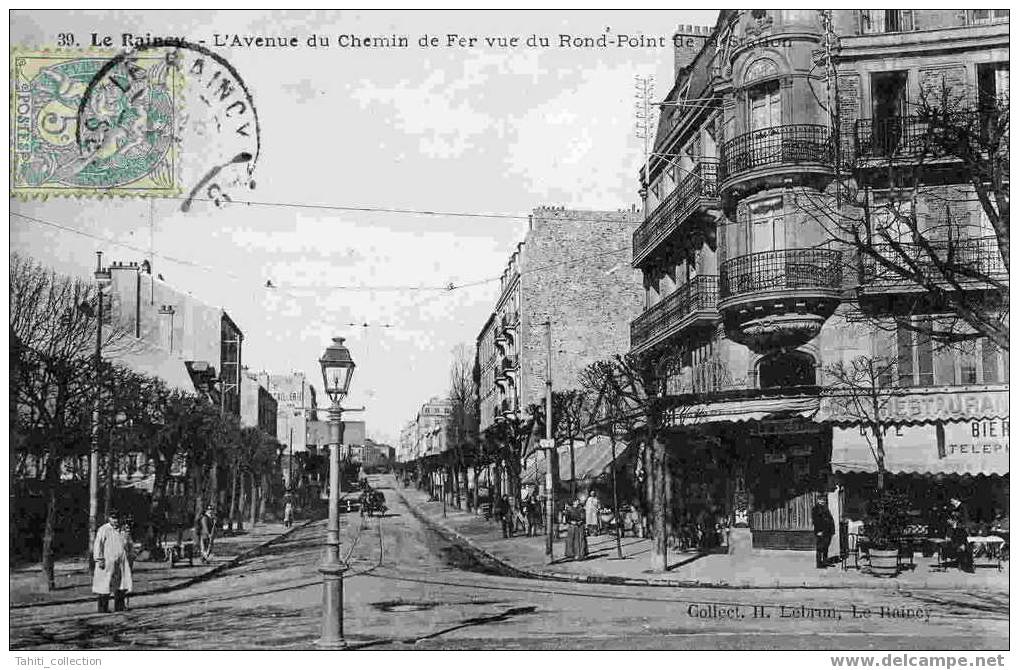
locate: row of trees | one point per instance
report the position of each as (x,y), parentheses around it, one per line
(194,454)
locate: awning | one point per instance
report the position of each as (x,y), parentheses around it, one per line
(978,447)
(145,359)
(591,460)
(751,409)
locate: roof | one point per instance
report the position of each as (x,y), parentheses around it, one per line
(146,359)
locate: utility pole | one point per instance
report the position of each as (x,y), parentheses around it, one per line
(644,111)
(102,276)
(550,450)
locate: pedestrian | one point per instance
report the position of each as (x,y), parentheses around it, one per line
(112,575)
(504,514)
(576,539)
(288,513)
(533,513)
(824,529)
(958,532)
(591,508)
(205,529)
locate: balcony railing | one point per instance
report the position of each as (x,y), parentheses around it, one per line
(509,363)
(781,270)
(892,136)
(699,294)
(701,182)
(963,260)
(778,145)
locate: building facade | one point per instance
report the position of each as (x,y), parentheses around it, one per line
(538,287)
(258,406)
(297,404)
(405,453)
(751,298)
(431,426)
(182,327)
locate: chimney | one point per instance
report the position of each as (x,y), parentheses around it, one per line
(125,296)
(687,42)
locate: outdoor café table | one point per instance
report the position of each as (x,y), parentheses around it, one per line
(991,545)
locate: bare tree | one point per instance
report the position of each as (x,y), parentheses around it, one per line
(904,207)
(860,391)
(53,373)
(463,417)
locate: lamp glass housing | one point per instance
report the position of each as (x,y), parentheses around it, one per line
(337,369)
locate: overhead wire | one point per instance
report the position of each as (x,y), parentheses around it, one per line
(289,288)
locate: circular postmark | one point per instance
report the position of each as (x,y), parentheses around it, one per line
(214,120)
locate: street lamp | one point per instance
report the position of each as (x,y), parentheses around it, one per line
(102,276)
(337,369)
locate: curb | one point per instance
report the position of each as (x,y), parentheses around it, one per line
(514,571)
(190,581)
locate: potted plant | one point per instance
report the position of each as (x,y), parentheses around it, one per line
(887,518)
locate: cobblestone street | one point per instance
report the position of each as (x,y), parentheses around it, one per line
(407,587)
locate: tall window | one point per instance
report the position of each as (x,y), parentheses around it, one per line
(765,106)
(908,354)
(766,229)
(886,21)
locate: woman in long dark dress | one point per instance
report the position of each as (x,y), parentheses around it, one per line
(576,538)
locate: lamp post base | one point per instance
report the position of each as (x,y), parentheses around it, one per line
(332,606)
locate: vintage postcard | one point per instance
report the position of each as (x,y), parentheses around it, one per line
(510,330)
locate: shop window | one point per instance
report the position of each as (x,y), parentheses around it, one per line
(794,368)
(874,21)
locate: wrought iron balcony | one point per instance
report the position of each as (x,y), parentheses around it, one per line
(686,305)
(791,145)
(903,136)
(778,299)
(695,192)
(781,270)
(508,407)
(966,260)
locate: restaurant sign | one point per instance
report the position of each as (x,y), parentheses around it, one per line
(977,447)
(933,405)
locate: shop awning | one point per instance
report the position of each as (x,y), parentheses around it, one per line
(977,447)
(591,460)
(750,409)
(145,359)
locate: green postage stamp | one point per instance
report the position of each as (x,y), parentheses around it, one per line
(126,144)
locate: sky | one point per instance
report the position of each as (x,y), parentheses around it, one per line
(482,129)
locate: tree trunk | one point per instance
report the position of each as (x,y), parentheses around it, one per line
(573,473)
(659,507)
(214,483)
(158,512)
(242,501)
(233,498)
(264,494)
(254,500)
(477,482)
(49,529)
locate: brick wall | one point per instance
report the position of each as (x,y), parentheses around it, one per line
(590,302)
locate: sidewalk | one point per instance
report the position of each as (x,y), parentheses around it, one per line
(74,583)
(763,569)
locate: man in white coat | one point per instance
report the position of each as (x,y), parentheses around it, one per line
(591,507)
(112,576)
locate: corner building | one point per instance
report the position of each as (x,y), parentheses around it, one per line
(748,299)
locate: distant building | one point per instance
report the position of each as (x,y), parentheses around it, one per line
(431,427)
(258,407)
(181,327)
(538,286)
(296,405)
(408,441)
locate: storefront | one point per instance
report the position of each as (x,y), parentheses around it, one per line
(757,462)
(937,445)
